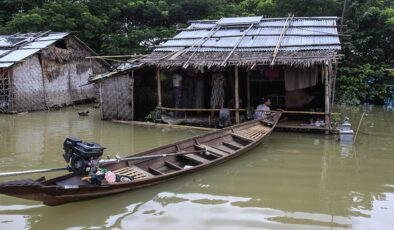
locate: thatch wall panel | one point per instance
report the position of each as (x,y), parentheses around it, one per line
(27,85)
(116,98)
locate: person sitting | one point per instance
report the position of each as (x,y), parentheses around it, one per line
(260,110)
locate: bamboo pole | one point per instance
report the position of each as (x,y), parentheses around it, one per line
(158,87)
(358,127)
(236,89)
(131,91)
(326,97)
(101,100)
(248,89)
(32,172)
(159,125)
(115,56)
(243,110)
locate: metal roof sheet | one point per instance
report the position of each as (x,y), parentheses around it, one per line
(304,34)
(240,20)
(15,48)
(6,64)
(53,36)
(121,69)
(18,55)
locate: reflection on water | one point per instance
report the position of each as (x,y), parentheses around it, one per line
(292,181)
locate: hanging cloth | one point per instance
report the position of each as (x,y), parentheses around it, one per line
(217,93)
(297,98)
(296,78)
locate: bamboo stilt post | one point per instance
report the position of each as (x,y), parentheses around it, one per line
(236,89)
(333,87)
(159,104)
(131,89)
(248,89)
(326,97)
(101,100)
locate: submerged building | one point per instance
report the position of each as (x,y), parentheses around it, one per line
(290,60)
(44,70)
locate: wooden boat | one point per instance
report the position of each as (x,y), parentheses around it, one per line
(182,157)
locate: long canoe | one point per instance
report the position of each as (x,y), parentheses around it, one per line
(178,158)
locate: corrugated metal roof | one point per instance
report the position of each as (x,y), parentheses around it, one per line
(15,48)
(18,55)
(121,69)
(6,64)
(314,33)
(239,20)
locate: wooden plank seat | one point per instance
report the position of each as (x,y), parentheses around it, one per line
(133,171)
(172,165)
(232,145)
(240,136)
(254,132)
(155,171)
(195,158)
(214,151)
(224,149)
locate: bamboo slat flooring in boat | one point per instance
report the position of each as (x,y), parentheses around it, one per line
(133,171)
(254,132)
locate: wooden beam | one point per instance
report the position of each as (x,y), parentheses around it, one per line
(236,91)
(158,82)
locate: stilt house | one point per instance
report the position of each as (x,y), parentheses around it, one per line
(290,60)
(43,70)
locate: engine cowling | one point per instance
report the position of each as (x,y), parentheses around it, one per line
(83,157)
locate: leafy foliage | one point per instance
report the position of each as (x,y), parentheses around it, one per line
(132,26)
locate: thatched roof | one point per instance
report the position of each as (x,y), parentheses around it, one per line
(246,41)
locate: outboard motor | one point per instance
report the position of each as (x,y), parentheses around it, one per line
(83,157)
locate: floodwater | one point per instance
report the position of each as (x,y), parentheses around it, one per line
(291,181)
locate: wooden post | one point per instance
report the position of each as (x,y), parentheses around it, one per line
(101,101)
(248,89)
(158,87)
(10,91)
(131,91)
(333,86)
(326,98)
(236,82)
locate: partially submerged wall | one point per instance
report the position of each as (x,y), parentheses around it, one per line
(117,98)
(27,85)
(65,70)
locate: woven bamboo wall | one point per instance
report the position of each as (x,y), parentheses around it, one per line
(27,85)
(65,70)
(116,98)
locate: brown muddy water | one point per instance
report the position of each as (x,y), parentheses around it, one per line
(291,181)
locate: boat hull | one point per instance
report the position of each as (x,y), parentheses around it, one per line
(52,192)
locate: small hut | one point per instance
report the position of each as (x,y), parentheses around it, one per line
(117,92)
(290,60)
(44,70)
